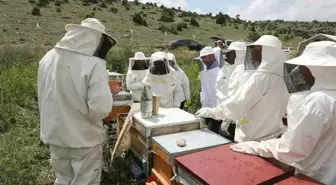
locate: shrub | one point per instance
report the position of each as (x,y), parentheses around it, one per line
(138,19)
(58,9)
(220,18)
(31,1)
(165,17)
(57,3)
(65,1)
(236,27)
(253,36)
(42,3)
(103,5)
(143,7)
(114,10)
(194,22)
(36,11)
(90,15)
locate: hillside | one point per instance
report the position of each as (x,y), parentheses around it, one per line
(19,26)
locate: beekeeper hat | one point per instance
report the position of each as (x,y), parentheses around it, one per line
(207,51)
(322,53)
(139,56)
(93,24)
(159,56)
(268,40)
(240,46)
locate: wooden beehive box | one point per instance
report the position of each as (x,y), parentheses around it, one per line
(168,121)
(220,165)
(166,150)
(299,179)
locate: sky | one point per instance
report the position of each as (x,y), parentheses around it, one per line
(291,10)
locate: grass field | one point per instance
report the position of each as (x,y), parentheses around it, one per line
(24,160)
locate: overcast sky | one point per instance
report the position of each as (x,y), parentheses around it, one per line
(302,10)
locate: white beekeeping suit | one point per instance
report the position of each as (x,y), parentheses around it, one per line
(260,102)
(228,78)
(310,141)
(182,78)
(137,68)
(163,81)
(74,97)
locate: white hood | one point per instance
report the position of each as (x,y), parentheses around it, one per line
(272,60)
(80,40)
(325,77)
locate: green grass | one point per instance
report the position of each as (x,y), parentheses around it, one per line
(19,26)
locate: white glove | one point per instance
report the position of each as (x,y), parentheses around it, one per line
(204,113)
(250,147)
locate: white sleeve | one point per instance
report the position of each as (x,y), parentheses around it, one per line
(99,94)
(185,85)
(178,92)
(246,97)
(132,84)
(235,79)
(306,124)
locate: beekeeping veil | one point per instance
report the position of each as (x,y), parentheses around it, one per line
(160,76)
(266,55)
(138,63)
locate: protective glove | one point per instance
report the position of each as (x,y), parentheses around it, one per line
(250,147)
(188,103)
(204,113)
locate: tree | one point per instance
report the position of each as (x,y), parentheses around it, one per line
(136,2)
(36,11)
(138,19)
(220,18)
(238,17)
(253,36)
(194,22)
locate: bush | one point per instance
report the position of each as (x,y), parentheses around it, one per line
(42,3)
(114,10)
(164,28)
(90,15)
(165,17)
(220,18)
(36,11)
(58,9)
(236,27)
(194,22)
(65,1)
(103,5)
(138,19)
(31,1)
(57,3)
(253,36)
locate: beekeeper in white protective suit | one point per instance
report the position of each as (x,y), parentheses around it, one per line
(183,81)
(229,80)
(137,68)
(310,141)
(260,102)
(74,97)
(163,81)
